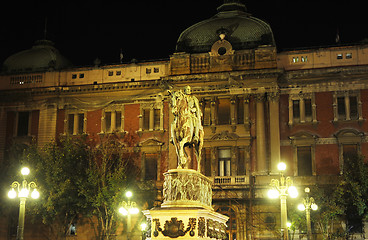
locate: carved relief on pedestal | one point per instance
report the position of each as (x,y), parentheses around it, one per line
(186,187)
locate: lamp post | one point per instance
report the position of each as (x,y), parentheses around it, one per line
(282,188)
(307,205)
(22,191)
(128,208)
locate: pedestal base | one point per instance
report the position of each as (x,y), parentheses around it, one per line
(185,223)
(186,212)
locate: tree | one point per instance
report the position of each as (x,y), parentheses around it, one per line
(59,169)
(110,167)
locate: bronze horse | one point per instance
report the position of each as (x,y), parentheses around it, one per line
(186,129)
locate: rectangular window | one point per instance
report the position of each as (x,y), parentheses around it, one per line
(308,110)
(156,119)
(148,70)
(108,121)
(353,102)
(224,160)
(118,121)
(223,111)
(296,110)
(350,150)
(207,113)
(156,70)
(341,108)
(304,155)
(150,166)
(81,75)
(339,56)
(241,162)
(207,162)
(74,76)
(110,73)
(118,73)
(80,123)
(146,119)
(23,123)
(349,56)
(70,123)
(240,110)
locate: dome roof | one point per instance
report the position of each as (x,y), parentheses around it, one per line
(241,29)
(43,56)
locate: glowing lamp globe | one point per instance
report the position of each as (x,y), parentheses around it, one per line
(133,210)
(123,211)
(273,193)
(25,171)
(281,166)
(314,206)
(129,194)
(301,207)
(293,192)
(12,193)
(35,194)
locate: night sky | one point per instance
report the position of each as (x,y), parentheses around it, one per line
(147,30)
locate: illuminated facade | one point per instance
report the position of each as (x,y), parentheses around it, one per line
(305,107)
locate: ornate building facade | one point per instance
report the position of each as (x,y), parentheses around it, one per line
(304,107)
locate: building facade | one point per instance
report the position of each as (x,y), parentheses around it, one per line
(304,107)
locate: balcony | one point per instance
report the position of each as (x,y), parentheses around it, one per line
(231,180)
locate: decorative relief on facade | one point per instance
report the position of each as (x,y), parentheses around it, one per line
(201,227)
(216,229)
(186,187)
(175,228)
(225,135)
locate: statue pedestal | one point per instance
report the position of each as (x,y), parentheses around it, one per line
(186,212)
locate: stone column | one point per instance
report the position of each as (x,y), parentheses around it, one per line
(47,124)
(113,121)
(273,99)
(260,136)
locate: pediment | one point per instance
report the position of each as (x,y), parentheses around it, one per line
(225,135)
(151,143)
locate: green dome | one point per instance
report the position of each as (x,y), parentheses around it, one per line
(43,56)
(241,29)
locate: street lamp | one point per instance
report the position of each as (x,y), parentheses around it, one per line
(144,229)
(128,209)
(307,205)
(282,188)
(22,191)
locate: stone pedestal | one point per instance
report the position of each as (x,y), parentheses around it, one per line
(186,212)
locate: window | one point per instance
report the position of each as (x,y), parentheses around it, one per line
(148,70)
(150,166)
(81,75)
(74,76)
(118,73)
(349,55)
(347,106)
(350,150)
(224,162)
(240,110)
(302,109)
(223,111)
(207,162)
(113,121)
(206,113)
(151,119)
(75,123)
(110,73)
(304,158)
(304,58)
(241,162)
(339,56)
(156,70)
(23,124)
(295,59)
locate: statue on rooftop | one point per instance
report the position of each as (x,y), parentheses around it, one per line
(186,129)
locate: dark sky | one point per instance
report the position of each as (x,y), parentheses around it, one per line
(84,30)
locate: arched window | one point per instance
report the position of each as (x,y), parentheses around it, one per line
(231,223)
